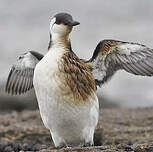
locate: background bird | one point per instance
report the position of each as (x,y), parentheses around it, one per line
(65,85)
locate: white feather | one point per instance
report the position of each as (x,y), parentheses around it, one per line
(26,60)
(128,48)
(57,31)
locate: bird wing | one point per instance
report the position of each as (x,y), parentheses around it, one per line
(20,78)
(111,56)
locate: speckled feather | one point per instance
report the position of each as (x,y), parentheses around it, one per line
(112,55)
(77,76)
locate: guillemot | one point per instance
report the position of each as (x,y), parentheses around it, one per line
(65,85)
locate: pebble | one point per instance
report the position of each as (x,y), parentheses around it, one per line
(8,149)
(9,146)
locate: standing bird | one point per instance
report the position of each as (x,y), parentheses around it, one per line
(65,85)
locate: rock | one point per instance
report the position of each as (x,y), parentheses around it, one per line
(8,149)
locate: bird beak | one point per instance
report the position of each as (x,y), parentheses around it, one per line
(74,23)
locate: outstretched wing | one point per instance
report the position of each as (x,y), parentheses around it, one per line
(111,55)
(20,78)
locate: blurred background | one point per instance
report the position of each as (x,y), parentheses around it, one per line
(24,26)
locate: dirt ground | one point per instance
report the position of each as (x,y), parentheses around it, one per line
(118,130)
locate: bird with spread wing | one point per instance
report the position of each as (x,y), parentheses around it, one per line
(65,85)
(108,57)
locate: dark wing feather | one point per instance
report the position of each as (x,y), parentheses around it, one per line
(20,78)
(111,55)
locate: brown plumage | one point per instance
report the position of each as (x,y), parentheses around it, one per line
(107,46)
(78,80)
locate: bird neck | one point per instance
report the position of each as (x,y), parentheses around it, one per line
(59,41)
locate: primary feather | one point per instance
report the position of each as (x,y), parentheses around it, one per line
(20,78)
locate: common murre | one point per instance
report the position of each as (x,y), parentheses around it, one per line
(63,81)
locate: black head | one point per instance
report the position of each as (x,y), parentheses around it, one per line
(61,26)
(65,19)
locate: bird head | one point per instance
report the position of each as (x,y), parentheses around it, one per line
(61,24)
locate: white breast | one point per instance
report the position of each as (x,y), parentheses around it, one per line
(45,83)
(69,123)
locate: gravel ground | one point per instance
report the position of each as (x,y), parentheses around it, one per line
(118,130)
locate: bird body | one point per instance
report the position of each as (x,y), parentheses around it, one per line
(65,85)
(71,121)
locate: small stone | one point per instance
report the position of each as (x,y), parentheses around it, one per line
(142,147)
(26,147)
(36,147)
(1,147)
(16,147)
(9,143)
(130,143)
(44,147)
(8,149)
(128,148)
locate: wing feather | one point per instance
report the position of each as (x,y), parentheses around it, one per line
(20,78)
(111,56)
